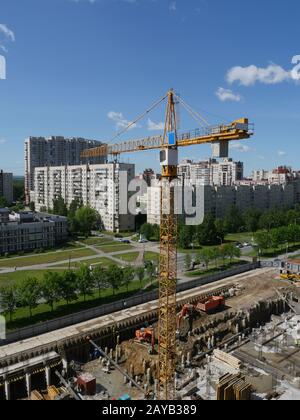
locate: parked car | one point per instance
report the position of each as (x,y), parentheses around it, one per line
(125,241)
(143,241)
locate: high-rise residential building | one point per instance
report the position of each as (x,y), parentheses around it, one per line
(99,186)
(54,151)
(280,175)
(6,186)
(211,172)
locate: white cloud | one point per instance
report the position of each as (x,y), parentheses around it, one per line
(8,33)
(152,126)
(173,6)
(281,153)
(241,147)
(120,120)
(2,141)
(227,95)
(248,76)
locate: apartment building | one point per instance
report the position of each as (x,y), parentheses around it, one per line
(218,200)
(54,151)
(6,186)
(212,172)
(104,187)
(27,231)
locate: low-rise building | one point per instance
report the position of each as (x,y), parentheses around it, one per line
(27,231)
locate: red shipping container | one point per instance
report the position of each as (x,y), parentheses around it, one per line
(87,384)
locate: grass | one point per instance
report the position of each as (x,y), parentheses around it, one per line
(115,248)
(46,258)
(239,237)
(130,257)
(66,246)
(18,277)
(43,313)
(121,234)
(95,261)
(151,256)
(274,252)
(109,243)
(213,270)
(93,240)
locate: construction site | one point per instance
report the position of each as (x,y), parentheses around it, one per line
(246,346)
(235,337)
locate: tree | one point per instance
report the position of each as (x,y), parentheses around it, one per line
(156,232)
(59,207)
(50,288)
(185,236)
(100,278)
(216,254)
(32,206)
(147,231)
(234,221)
(114,277)
(9,300)
(19,189)
(207,233)
(206,255)
(128,276)
(3,202)
(30,293)
(84,281)
(251,218)
(140,273)
(263,240)
(232,251)
(188,261)
(87,220)
(151,271)
(68,286)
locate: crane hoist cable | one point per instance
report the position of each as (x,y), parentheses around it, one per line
(202,121)
(138,119)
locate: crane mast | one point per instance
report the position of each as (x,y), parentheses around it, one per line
(168,144)
(168,257)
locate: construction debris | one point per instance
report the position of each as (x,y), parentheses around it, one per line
(232,361)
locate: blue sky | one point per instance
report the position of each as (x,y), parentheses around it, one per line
(80,68)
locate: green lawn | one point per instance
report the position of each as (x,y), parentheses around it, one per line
(43,313)
(273,252)
(101,260)
(213,270)
(130,257)
(46,258)
(65,247)
(18,277)
(239,237)
(152,256)
(93,240)
(121,234)
(108,243)
(115,248)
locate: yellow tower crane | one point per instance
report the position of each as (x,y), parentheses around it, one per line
(168,144)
